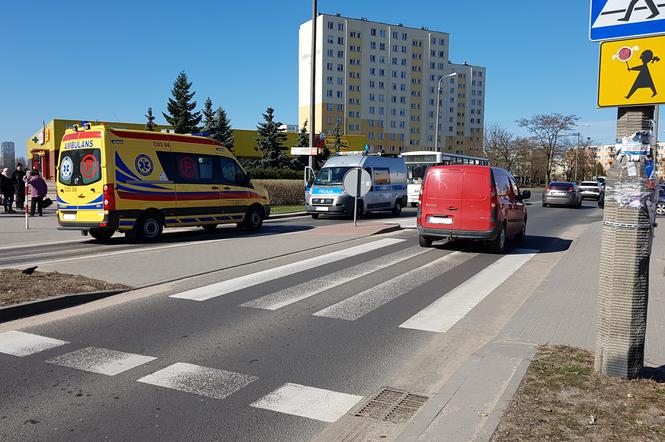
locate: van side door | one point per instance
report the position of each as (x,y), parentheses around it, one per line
(236,192)
(197,191)
(383,193)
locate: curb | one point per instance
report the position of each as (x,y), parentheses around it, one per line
(287,215)
(388,229)
(39,306)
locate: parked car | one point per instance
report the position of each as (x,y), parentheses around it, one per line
(660,206)
(590,190)
(562,194)
(479,203)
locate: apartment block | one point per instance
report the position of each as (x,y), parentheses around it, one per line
(380,81)
(8,155)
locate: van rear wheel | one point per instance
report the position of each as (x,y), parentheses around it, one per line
(149,227)
(101,234)
(498,245)
(397,208)
(424,241)
(315,216)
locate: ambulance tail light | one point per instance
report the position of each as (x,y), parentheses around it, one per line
(109,197)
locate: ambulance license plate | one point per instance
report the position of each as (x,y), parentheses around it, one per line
(321,209)
(69,216)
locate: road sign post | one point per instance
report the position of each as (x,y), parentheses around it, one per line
(630,75)
(357,183)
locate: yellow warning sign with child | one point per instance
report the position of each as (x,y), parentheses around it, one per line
(632,72)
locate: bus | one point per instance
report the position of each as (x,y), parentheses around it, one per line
(418,162)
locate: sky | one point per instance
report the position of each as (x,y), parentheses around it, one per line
(112,60)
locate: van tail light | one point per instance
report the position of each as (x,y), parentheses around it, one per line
(494,204)
(109,197)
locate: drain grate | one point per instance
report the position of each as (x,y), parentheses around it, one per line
(392,405)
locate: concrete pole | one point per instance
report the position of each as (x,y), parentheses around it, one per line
(624,258)
(312,86)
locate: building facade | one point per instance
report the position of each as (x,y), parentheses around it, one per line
(8,155)
(380,81)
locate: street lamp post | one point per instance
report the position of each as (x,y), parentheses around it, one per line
(312,88)
(438,107)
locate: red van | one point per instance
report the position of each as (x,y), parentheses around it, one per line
(479,203)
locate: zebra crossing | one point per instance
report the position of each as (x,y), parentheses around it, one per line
(215,383)
(306,401)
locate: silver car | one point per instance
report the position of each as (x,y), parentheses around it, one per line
(590,190)
(562,194)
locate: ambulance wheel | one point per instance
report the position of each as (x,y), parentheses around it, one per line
(397,208)
(101,234)
(149,227)
(210,228)
(315,216)
(253,219)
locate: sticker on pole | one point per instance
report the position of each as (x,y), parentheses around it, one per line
(351,183)
(631,72)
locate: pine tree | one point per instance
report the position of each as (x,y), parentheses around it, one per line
(303,136)
(222,129)
(150,124)
(208,118)
(271,140)
(181,116)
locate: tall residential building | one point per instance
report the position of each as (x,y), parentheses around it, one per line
(380,80)
(8,155)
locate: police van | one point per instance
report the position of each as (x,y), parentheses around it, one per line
(139,182)
(325,193)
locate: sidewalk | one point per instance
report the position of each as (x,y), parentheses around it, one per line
(562,311)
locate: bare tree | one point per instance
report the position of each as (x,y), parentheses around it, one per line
(500,147)
(548,131)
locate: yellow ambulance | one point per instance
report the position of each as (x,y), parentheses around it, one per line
(138,182)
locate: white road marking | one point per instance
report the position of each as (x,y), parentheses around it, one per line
(364,302)
(92,255)
(18,343)
(444,313)
(100,360)
(243,282)
(309,402)
(290,295)
(204,381)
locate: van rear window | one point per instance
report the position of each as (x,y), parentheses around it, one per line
(80,167)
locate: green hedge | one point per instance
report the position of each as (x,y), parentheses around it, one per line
(274,173)
(283,192)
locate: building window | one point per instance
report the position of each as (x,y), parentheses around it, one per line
(340,54)
(340,108)
(340,26)
(330,66)
(340,40)
(329,93)
(329,80)
(372,97)
(372,110)
(330,107)
(373,32)
(382,46)
(371,135)
(382,33)
(331,25)
(340,81)
(372,58)
(382,85)
(340,67)
(340,94)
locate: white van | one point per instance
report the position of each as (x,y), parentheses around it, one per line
(325,193)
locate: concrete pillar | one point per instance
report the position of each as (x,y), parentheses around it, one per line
(624,258)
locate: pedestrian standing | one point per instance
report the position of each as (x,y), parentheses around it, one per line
(7,187)
(37,192)
(18,178)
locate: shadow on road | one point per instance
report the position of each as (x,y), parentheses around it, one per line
(544,244)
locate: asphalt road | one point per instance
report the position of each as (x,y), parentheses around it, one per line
(275,350)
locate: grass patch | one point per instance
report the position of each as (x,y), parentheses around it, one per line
(562,398)
(287,208)
(16,287)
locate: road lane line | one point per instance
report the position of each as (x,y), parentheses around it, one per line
(21,344)
(204,381)
(288,296)
(242,282)
(444,313)
(364,302)
(309,402)
(101,360)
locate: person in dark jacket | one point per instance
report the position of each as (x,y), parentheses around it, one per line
(17,177)
(37,192)
(7,187)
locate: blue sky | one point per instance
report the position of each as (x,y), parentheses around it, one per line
(111,60)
